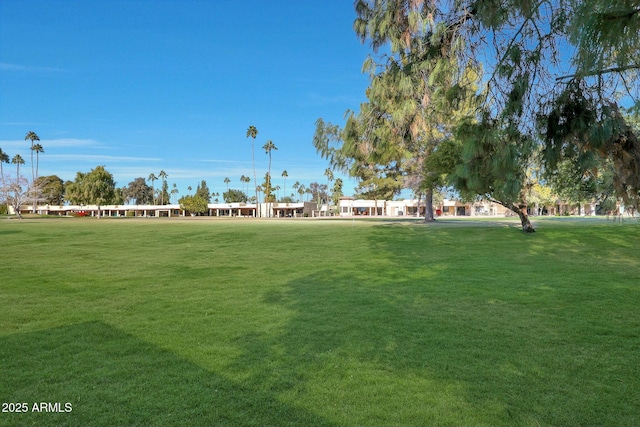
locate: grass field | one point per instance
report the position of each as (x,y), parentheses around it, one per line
(228,322)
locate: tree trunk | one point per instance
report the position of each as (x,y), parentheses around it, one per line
(255,180)
(428,206)
(16,205)
(521,210)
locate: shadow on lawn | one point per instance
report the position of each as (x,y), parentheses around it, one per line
(405,339)
(398,337)
(389,354)
(112,378)
(5,232)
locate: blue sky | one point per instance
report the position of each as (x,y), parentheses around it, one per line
(143,86)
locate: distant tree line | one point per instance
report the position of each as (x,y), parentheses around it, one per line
(98,187)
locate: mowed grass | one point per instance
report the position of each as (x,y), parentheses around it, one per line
(219,322)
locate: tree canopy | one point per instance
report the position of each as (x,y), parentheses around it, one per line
(234,196)
(138,192)
(502,85)
(193,204)
(202,190)
(51,188)
(96,187)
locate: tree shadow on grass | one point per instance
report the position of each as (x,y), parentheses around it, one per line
(112,378)
(379,354)
(421,343)
(5,232)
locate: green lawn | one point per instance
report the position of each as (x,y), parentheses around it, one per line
(320,322)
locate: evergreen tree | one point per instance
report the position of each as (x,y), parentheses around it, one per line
(524,102)
(202,190)
(267,189)
(164,193)
(336,192)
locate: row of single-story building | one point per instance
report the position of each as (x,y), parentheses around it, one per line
(280,210)
(449,207)
(358,207)
(348,207)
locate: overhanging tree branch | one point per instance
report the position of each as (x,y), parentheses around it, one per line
(600,72)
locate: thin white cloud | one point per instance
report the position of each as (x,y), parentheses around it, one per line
(199,174)
(71,142)
(28,68)
(100,158)
(51,143)
(66,166)
(232,162)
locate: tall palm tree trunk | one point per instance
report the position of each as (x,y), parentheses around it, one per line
(269,189)
(255,179)
(33,173)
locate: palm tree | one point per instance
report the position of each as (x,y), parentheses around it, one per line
(285,175)
(258,190)
(163,175)
(296,185)
(32,136)
(4,158)
(152,178)
(227,181)
(38,149)
(174,191)
(17,160)
(253,132)
(301,191)
(189,188)
(268,147)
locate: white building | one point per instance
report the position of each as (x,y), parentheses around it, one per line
(359,207)
(174,210)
